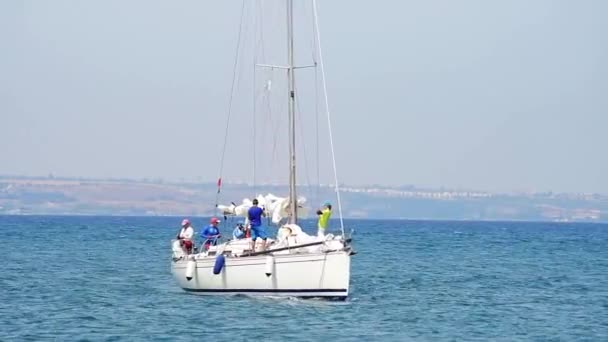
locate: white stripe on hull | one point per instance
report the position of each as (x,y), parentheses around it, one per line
(297,275)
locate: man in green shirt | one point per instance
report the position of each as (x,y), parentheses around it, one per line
(324,215)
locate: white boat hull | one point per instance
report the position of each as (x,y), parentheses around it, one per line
(323,274)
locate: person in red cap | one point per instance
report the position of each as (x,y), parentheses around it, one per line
(211,233)
(186,236)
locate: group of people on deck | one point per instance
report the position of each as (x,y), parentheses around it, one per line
(255,229)
(210,234)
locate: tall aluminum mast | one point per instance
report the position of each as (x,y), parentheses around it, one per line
(293,205)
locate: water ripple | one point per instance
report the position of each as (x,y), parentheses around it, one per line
(108,278)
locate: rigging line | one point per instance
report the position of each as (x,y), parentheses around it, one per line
(234,70)
(317,134)
(316,104)
(277,130)
(268,75)
(331,140)
(314,59)
(262,96)
(261,42)
(254,95)
(313,49)
(299,116)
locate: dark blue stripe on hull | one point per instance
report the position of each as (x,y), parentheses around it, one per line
(265,290)
(305,293)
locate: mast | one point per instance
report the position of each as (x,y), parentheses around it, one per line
(293,205)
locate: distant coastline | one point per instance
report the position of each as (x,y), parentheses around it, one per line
(20,195)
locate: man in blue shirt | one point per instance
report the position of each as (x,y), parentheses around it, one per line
(211,233)
(254,215)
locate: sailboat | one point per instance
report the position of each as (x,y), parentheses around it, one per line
(294,263)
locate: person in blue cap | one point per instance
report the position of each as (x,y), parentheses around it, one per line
(324,215)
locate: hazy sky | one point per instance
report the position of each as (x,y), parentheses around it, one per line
(488,95)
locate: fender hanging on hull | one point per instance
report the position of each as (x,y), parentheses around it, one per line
(190,270)
(269,265)
(219,264)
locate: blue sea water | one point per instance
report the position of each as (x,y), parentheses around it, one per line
(108,278)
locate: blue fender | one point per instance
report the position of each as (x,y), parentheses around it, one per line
(219,264)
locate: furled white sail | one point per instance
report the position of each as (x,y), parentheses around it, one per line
(276,208)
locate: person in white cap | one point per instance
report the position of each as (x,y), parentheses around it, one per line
(185,236)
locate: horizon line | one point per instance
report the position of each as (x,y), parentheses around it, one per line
(343,186)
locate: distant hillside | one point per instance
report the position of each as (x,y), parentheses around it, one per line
(24,195)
